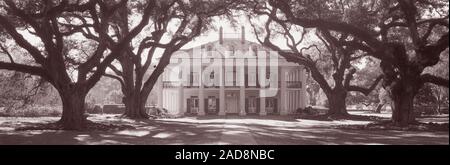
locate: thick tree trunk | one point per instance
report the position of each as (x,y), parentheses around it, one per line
(402,109)
(135,107)
(73,117)
(381,104)
(337,106)
(438,101)
(438,109)
(379,107)
(402,93)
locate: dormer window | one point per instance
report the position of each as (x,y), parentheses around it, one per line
(233,50)
(211,75)
(209,50)
(254,50)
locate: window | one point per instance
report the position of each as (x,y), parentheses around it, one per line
(229,78)
(194,103)
(212,103)
(233,50)
(211,75)
(254,50)
(252,104)
(209,50)
(252,78)
(270,103)
(194,78)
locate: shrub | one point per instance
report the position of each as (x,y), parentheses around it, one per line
(114,108)
(38,111)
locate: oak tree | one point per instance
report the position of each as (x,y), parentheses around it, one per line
(57,53)
(406,35)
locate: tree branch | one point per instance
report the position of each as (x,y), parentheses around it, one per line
(22,42)
(365,91)
(428,78)
(116,71)
(115,78)
(324,24)
(33,70)
(7,53)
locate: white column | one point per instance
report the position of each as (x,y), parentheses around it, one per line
(201,97)
(221,90)
(242,101)
(262,102)
(221,101)
(201,101)
(241,84)
(303,89)
(181,100)
(160,92)
(283,98)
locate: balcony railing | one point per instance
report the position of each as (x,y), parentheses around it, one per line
(293,84)
(233,84)
(170,84)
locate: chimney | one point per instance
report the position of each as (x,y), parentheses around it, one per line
(221,35)
(243,34)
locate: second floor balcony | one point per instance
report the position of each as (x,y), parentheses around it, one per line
(293,84)
(229,84)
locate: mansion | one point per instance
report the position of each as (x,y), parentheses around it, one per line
(231,76)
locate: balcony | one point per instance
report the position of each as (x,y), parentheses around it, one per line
(171,84)
(258,85)
(293,84)
(231,84)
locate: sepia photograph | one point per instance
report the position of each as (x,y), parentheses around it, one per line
(224,73)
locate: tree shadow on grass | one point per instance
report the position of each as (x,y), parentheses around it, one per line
(325,117)
(389,125)
(203,131)
(155,132)
(316,136)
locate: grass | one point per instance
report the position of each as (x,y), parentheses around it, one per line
(35,111)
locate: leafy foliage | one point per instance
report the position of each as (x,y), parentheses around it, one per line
(20,90)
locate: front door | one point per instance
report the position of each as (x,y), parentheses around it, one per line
(192,105)
(231,103)
(271,104)
(252,104)
(211,105)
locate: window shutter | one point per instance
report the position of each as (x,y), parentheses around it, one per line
(258,105)
(217,105)
(246,105)
(206,108)
(275,105)
(188,105)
